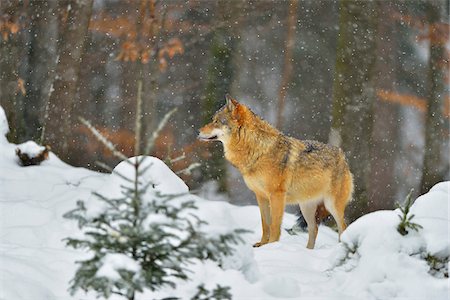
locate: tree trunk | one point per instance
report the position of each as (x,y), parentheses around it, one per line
(42,62)
(147,72)
(288,63)
(354,94)
(434,161)
(62,98)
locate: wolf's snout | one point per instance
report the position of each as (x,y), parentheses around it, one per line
(206,137)
(212,135)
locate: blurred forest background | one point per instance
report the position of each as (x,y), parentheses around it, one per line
(370,76)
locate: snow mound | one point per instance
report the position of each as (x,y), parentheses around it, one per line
(4,128)
(432,212)
(156,177)
(376,261)
(155,172)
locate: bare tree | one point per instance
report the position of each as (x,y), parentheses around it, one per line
(287,64)
(42,62)
(62,98)
(12,86)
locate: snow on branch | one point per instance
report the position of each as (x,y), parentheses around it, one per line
(189,169)
(102,139)
(155,134)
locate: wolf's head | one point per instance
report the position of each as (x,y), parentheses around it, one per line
(225,121)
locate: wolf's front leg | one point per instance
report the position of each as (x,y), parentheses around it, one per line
(277,204)
(264,209)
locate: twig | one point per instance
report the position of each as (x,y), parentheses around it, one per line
(189,169)
(138,124)
(155,134)
(104,166)
(110,146)
(174,160)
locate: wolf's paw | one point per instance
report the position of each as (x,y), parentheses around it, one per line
(258,244)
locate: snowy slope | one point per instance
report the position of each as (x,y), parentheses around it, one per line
(35,265)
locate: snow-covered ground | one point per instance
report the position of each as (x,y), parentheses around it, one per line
(35,264)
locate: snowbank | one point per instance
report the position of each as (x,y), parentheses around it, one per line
(154,171)
(376,262)
(432,212)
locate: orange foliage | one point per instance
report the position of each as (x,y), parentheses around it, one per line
(173,47)
(21,86)
(411,100)
(116,27)
(133,51)
(437,33)
(8,26)
(141,34)
(403,99)
(446,108)
(129,52)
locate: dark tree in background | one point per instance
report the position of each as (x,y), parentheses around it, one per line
(436,131)
(218,83)
(354,94)
(41,65)
(11,53)
(70,52)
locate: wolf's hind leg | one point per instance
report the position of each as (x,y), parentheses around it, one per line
(337,211)
(309,213)
(341,194)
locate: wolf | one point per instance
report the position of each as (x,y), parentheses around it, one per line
(282,170)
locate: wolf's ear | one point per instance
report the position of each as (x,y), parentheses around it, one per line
(231,103)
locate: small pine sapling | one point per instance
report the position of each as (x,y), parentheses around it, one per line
(142,239)
(405,217)
(219,293)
